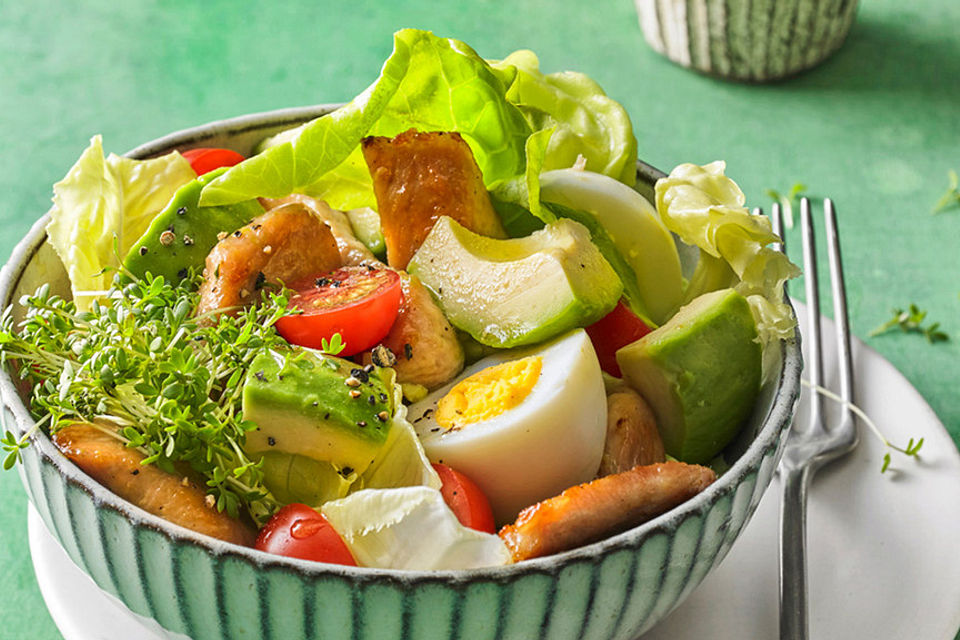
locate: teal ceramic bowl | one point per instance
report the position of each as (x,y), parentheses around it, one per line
(194,586)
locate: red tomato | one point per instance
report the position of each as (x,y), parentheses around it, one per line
(206,159)
(617,329)
(298,531)
(359,303)
(465,499)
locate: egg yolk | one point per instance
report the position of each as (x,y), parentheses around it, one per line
(488,393)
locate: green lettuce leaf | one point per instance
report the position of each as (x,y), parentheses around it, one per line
(587,123)
(402,461)
(429,83)
(517,121)
(706,209)
(106,200)
(524,190)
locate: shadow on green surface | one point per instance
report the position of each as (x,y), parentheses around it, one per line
(883,56)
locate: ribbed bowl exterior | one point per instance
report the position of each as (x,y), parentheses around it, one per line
(205,589)
(748,40)
(206,595)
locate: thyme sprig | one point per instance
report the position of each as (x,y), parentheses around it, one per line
(169,382)
(911,321)
(912,450)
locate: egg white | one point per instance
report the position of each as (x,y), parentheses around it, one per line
(551,441)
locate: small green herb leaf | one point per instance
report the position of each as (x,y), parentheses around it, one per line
(911,321)
(912,449)
(951,198)
(334,346)
(168,381)
(787,201)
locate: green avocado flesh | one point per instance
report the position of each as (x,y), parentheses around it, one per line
(181,236)
(600,237)
(365,223)
(308,404)
(294,478)
(520,291)
(700,372)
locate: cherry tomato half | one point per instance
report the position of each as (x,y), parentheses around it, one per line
(299,531)
(617,329)
(207,159)
(465,499)
(359,303)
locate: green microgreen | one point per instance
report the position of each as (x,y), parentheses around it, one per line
(951,197)
(152,374)
(13,446)
(787,201)
(334,346)
(911,321)
(912,449)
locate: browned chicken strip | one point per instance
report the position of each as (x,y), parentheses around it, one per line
(598,509)
(420,176)
(286,244)
(632,436)
(118,468)
(352,251)
(425,345)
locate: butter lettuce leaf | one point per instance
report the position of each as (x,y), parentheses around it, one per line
(103,200)
(523,213)
(402,462)
(428,83)
(705,208)
(587,122)
(410,528)
(513,117)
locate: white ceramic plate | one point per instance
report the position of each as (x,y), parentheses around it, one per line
(884,550)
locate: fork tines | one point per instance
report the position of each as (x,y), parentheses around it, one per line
(806,449)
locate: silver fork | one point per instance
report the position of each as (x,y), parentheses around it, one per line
(810,446)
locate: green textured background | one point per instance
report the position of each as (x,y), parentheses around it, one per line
(876,128)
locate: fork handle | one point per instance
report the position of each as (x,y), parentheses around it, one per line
(793,554)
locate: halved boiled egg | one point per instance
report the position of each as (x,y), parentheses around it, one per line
(524,424)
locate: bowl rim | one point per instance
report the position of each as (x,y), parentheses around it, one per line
(773,424)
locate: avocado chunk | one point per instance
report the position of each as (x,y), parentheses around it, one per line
(181,236)
(317,406)
(635,229)
(365,224)
(295,478)
(519,291)
(700,372)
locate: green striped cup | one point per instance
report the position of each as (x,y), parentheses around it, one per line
(748,40)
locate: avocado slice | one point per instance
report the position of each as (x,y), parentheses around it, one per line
(181,236)
(634,227)
(700,372)
(295,478)
(519,291)
(309,404)
(365,223)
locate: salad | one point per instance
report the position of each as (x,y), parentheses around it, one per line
(436,328)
